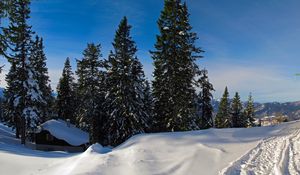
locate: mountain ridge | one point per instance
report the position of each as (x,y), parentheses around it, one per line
(290,109)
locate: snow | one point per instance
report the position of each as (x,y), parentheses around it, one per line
(30,112)
(181,33)
(263,150)
(274,155)
(97,148)
(61,130)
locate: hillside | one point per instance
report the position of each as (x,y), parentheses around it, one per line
(291,109)
(208,151)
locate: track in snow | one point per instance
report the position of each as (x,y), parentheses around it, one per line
(275,155)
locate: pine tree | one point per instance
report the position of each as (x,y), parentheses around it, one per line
(205,101)
(10,113)
(175,70)
(237,116)
(125,84)
(91,92)
(26,92)
(3,14)
(223,119)
(33,97)
(2,10)
(250,112)
(38,59)
(65,103)
(148,105)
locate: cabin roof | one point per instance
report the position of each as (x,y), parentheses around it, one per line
(67,132)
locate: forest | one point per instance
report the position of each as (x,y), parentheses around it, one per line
(111,98)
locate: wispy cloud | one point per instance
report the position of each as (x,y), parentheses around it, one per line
(267,83)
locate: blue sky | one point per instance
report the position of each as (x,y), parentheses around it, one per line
(251,45)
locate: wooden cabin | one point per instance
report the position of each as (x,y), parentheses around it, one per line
(59,135)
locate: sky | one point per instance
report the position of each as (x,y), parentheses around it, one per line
(250,45)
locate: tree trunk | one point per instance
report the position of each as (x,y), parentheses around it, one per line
(23,131)
(17,125)
(17,132)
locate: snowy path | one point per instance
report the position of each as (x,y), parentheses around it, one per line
(274,155)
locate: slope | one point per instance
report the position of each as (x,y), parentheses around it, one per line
(197,152)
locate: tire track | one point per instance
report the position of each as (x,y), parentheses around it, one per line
(274,155)
(294,154)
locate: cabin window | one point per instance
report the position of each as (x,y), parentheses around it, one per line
(49,137)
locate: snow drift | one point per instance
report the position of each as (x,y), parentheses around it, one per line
(206,152)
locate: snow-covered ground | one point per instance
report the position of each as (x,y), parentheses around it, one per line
(264,150)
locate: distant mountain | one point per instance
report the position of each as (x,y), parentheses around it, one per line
(291,109)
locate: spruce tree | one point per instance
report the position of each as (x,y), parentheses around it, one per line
(91,92)
(26,95)
(237,116)
(125,84)
(148,105)
(38,59)
(250,112)
(175,70)
(205,101)
(223,119)
(3,14)
(10,113)
(33,97)
(65,102)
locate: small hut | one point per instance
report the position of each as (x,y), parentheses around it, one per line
(59,135)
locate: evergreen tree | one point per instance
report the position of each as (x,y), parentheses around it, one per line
(125,84)
(237,116)
(38,60)
(33,97)
(3,13)
(91,92)
(26,94)
(175,70)
(10,113)
(148,105)
(223,119)
(65,102)
(205,101)
(250,112)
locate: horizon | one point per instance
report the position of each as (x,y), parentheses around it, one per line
(245,48)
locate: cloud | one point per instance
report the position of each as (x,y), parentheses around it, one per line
(54,75)
(266,83)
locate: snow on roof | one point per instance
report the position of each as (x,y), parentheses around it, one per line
(70,134)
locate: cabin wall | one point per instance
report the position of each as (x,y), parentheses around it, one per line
(45,141)
(70,149)
(46,138)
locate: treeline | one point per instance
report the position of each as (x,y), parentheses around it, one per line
(233,114)
(111,99)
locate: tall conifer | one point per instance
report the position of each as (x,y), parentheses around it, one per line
(26,94)
(3,14)
(237,115)
(223,118)
(38,60)
(175,70)
(250,112)
(125,84)
(65,102)
(205,101)
(91,92)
